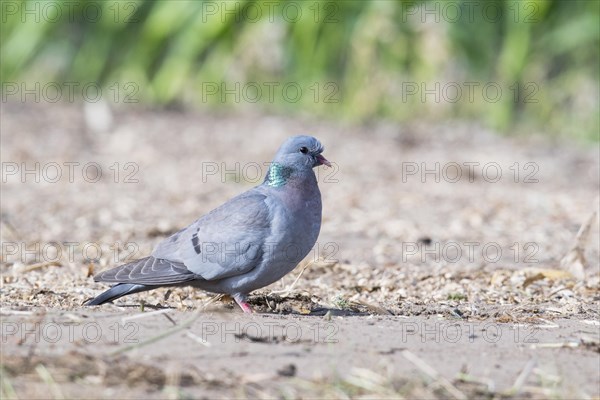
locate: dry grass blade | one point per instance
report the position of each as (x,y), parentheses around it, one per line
(161,335)
(286,292)
(433,374)
(7,391)
(41,265)
(198,339)
(11,229)
(574,261)
(47,378)
(4,311)
(373,308)
(145,315)
(490,385)
(522,378)
(554,345)
(370,381)
(591,322)
(187,323)
(212,300)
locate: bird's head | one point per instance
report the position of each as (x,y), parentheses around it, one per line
(300,152)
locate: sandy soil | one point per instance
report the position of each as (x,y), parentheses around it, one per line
(434,276)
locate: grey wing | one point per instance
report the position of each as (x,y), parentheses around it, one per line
(148,271)
(228,241)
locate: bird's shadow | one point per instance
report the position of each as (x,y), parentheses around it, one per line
(334,312)
(315,312)
(297,305)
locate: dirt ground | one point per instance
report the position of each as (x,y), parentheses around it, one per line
(452,262)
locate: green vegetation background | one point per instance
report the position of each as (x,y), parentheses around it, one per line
(356,60)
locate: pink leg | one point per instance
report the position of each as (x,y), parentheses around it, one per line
(241,301)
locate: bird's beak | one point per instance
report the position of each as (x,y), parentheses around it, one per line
(322,160)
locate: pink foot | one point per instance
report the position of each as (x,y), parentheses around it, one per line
(241,301)
(245,307)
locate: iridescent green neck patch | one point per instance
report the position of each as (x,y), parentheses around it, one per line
(277,175)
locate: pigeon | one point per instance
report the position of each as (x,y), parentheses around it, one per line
(247,243)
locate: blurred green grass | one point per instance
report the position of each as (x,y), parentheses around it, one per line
(517,66)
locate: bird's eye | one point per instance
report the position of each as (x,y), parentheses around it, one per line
(303,150)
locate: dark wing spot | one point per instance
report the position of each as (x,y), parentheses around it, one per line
(196,243)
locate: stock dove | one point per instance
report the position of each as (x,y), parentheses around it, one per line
(245,244)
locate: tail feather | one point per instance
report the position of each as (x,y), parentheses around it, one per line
(141,275)
(148,271)
(119,290)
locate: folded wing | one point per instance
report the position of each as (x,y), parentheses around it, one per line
(229,241)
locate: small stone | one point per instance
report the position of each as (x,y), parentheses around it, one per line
(287,370)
